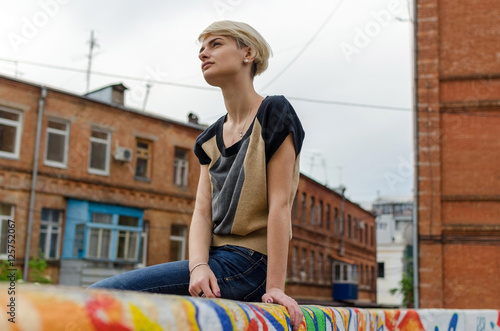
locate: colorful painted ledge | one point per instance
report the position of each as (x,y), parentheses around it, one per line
(49,307)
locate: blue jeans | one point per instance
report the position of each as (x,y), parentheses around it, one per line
(240,272)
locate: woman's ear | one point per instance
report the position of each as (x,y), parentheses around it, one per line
(249,54)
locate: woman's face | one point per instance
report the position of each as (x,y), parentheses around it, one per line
(221,58)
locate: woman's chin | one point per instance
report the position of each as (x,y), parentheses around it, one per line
(213,81)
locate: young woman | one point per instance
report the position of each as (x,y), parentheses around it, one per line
(249,159)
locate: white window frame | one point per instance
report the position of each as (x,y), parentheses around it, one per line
(183,240)
(348,272)
(65,133)
(107,142)
(103,221)
(4,219)
(99,243)
(180,178)
(19,127)
(52,227)
(128,234)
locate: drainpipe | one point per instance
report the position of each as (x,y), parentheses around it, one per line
(416,297)
(34,175)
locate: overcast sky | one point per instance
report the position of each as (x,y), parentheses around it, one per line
(352,51)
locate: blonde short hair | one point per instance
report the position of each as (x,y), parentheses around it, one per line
(244,35)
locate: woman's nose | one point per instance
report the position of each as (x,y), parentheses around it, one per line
(203,55)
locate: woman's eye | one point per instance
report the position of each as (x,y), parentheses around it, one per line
(217,44)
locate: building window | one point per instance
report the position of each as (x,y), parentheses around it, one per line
(312,210)
(312,263)
(10,132)
(327,217)
(100,142)
(295,208)
(320,268)
(380,270)
(79,246)
(143,158)
(303,271)
(320,213)
(99,242)
(372,277)
(50,233)
(354,273)
(328,269)
(295,252)
(336,220)
(6,215)
(180,167)
(361,275)
(103,230)
(338,272)
(355,229)
(345,272)
(178,242)
(372,236)
(128,241)
(349,226)
(56,151)
(304,207)
(367,275)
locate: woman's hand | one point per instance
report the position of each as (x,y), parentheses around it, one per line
(275,295)
(203,281)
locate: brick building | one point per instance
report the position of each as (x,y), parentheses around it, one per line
(113,184)
(333,243)
(458,153)
(115,189)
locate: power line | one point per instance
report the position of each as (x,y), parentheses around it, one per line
(309,42)
(206,88)
(51,66)
(353,104)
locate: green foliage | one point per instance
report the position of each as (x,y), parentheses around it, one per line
(37,267)
(406,288)
(5,273)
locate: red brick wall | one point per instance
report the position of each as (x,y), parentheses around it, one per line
(472,275)
(469,36)
(458,183)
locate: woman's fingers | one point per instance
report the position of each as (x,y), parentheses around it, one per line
(203,283)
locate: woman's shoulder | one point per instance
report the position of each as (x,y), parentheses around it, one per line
(277,107)
(210,131)
(276,100)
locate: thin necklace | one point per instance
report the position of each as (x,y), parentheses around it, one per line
(246,120)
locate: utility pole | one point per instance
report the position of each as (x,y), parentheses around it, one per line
(148,87)
(93,43)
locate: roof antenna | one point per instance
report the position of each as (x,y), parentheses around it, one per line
(93,43)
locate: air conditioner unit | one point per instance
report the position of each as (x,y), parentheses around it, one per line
(361,225)
(123,154)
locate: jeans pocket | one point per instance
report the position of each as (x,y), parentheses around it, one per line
(245,283)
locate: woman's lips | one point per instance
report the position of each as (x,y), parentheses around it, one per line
(206,65)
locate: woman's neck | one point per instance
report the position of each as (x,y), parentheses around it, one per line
(240,101)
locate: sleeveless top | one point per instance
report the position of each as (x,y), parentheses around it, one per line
(238,173)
